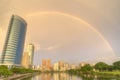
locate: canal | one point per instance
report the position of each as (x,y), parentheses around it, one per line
(65,76)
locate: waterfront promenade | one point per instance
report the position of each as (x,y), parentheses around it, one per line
(16,76)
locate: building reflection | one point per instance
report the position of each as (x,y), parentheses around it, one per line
(61,76)
(55,76)
(46,76)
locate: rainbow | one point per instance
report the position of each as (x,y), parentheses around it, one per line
(75,18)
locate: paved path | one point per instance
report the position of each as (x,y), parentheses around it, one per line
(17,76)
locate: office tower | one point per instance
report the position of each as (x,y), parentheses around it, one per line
(66,66)
(56,66)
(61,65)
(46,65)
(43,64)
(14,44)
(30,50)
(25,60)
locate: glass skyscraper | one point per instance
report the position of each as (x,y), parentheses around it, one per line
(14,44)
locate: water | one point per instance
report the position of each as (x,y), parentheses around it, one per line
(65,76)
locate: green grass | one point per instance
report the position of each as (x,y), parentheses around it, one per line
(112,72)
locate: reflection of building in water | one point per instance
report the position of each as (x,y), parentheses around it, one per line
(61,76)
(37,77)
(73,77)
(46,65)
(67,77)
(46,76)
(64,76)
(56,76)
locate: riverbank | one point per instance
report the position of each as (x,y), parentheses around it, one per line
(110,73)
(16,76)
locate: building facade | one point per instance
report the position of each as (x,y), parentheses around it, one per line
(25,60)
(14,44)
(30,50)
(56,66)
(46,65)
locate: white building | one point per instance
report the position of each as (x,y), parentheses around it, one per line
(56,66)
(30,50)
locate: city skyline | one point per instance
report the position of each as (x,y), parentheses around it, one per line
(71,30)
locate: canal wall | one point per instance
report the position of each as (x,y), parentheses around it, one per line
(17,76)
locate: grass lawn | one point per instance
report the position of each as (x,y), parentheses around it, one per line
(112,72)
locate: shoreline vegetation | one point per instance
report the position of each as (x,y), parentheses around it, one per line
(99,70)
(14,73)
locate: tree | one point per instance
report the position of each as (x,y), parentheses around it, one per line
(116,65)
(101,66)
(4,71)
(86,69)
(110,68)
(21,70)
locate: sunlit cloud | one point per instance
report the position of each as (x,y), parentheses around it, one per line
(53,47)
(50,48)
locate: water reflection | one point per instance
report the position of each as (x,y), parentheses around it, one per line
(55,76)
(65,76)
(43,76)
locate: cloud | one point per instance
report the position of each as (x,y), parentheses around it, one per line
(54,47)
(50,48)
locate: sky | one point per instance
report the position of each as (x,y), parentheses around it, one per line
(69,30)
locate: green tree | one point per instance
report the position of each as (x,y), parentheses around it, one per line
(86,69)
(110,68)
(101,66)
(4,71)
(116,65)
(21,70)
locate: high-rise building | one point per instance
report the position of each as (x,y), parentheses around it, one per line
(14,44)
(30,50)
(56,66)
(46,65)
(25,60)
